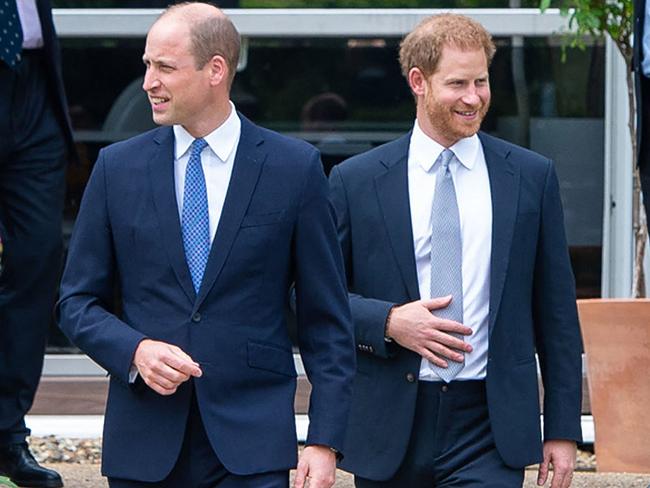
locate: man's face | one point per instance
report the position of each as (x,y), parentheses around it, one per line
(178,92)
(457,95)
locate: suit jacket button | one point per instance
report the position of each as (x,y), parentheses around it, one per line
(410,377)
(196,317)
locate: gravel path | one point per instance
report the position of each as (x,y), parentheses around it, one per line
(87,476)
(78,462)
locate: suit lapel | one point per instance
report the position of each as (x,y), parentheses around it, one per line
(161,175)
(393,196)
(245,173)
(504,187)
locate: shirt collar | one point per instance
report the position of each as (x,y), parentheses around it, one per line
(221,141)
(425,151)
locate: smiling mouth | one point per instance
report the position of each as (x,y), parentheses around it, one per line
(158,100)
(467,113)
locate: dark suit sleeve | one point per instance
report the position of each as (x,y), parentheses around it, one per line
(324,326)
(87,285)
(368,314)
(557,330)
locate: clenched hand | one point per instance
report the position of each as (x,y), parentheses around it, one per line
(163,366)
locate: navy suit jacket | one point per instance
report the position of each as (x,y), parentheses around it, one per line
(640,81)
(277,227)
(52,60)
(642,91)
(532,305)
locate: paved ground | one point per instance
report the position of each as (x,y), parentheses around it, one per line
(87,476)
(78,462)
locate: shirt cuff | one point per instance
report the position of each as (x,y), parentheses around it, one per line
(133,374)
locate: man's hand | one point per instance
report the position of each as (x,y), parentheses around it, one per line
(318,465)
(562,455)
(414,327)
(164,367)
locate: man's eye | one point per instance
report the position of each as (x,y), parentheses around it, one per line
(165,68)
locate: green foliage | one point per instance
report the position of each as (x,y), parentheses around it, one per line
(613,18)
(4,481)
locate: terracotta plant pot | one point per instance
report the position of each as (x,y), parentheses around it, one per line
(616,336)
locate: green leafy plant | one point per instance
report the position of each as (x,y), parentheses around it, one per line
(599,18)
(613,19)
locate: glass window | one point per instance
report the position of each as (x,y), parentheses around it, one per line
(310,3)
(346,95)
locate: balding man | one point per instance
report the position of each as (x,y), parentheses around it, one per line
(202,226)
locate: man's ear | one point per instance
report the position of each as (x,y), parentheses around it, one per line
(417,81)
(218,70)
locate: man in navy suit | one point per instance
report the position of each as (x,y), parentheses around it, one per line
(35,135)
(203,227)
(452,400)
(641,65)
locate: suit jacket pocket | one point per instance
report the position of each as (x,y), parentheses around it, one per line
(262,219)
(271,357)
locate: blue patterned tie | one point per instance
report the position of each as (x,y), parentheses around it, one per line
(11,33)
(447,254)
(195,220)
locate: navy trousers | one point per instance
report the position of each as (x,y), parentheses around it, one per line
(199,467)
(451,443)
(32,185)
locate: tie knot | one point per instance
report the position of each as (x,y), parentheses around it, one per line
(445,158)
(197,146)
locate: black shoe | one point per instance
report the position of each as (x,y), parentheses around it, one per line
(18,464)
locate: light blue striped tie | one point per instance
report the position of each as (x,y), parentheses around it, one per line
(195,220)
(447,254)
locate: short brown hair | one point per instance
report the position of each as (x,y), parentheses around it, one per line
(422,47)
(209,36)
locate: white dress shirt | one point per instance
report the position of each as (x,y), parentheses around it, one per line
(217,160)
(30,23)
(472,186)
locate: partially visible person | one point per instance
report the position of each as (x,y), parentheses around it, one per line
(35,136)
(323,112)
(641,65)
(458,271)
(202,225)
(1,250)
